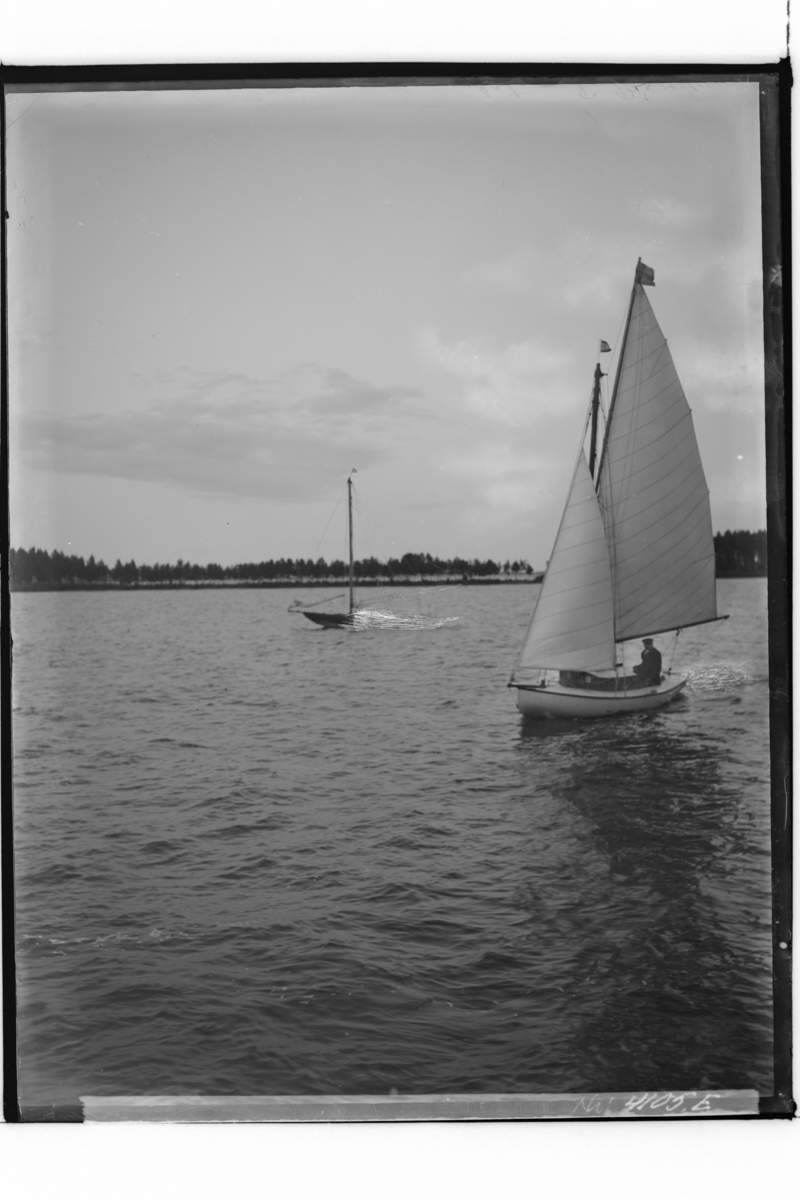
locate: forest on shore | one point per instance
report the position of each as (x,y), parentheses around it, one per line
(32,568)
(738,553)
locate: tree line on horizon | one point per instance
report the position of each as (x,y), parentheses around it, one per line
(741,552)
(38,566)
(738,552)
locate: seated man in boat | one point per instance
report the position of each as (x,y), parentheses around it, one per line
(648,671)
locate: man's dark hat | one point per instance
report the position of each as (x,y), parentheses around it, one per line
(646,640)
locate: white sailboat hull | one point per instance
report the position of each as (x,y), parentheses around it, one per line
(557,701)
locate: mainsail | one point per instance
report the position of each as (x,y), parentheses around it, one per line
(572,626)
(652,490)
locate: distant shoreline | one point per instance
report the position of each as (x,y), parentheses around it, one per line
(738,555)
(202,585)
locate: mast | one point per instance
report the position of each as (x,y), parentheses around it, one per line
(350,529)
(619,369)
(598,375)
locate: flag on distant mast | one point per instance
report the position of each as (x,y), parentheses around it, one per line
(604,347)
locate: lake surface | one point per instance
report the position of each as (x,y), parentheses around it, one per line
(254,856)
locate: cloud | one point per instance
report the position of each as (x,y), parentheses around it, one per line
(519,271)
(514,418)
(576,273)
(345,396)
(667,212)
(287,437)
(508,384)
(504,477)
(728,378)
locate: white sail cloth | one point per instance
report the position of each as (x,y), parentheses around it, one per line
(653,492)
(572,626)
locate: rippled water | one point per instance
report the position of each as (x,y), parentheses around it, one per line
(256,856)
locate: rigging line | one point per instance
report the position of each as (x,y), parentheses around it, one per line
(589,418)
(610,526)
(365,524)
(603,406)
(625,461)
(613,362)
(333,514)
(299,605)
(678,632)
(369,523)
(410,592)
(622,349)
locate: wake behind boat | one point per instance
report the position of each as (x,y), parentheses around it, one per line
(634,554)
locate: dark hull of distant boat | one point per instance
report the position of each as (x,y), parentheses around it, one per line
(331,620)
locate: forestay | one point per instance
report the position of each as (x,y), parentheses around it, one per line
(572,626)
(653,492)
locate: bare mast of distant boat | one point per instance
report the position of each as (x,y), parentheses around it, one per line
(333,620)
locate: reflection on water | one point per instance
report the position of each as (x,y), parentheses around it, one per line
(663,936)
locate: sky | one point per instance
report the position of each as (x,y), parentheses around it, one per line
(223,301)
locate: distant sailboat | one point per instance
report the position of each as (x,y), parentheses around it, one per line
(329,619)
(634,554)
(364,618)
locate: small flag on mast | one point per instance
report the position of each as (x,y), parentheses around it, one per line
(645,275)
(604,347)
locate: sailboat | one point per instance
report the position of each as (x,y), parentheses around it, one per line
(634,553)
(332,619)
